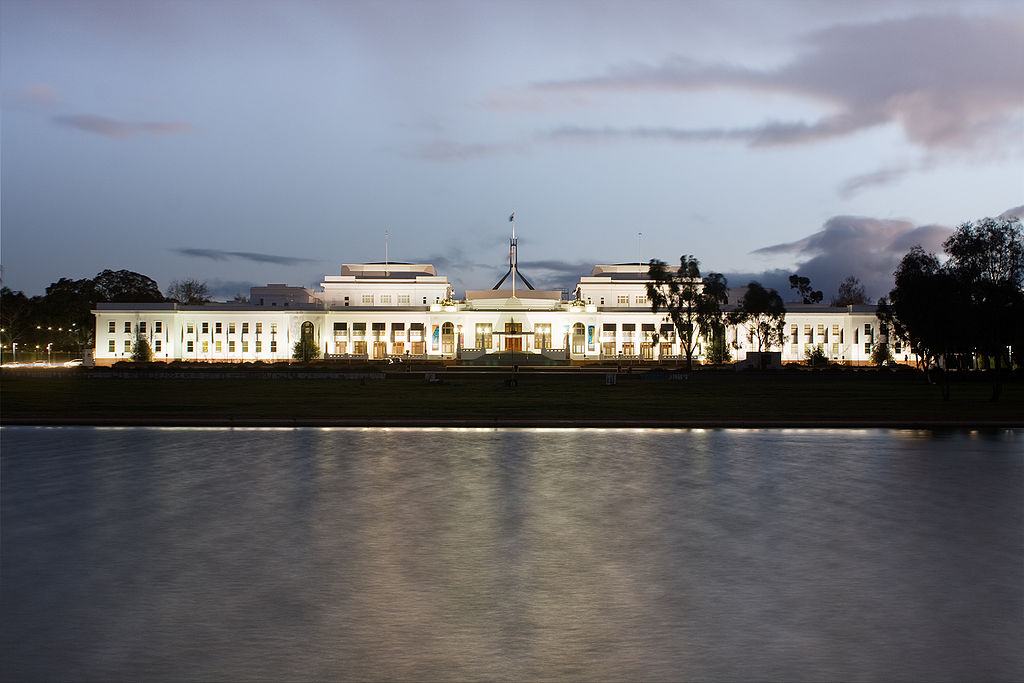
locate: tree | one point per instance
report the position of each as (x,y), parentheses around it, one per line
(986,261)
(125,286)
(764,314)
(815,357)
(305,349)
(68,305)
(802,285)
(693,304)
(190,291)
(141,351)
(880,354)
(716,347)
(851,292)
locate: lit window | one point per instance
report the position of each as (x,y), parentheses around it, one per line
(259,328)
(385,298)
(835,349)
(245,347)
(231,347)
(368,299)
(245,328)
(127,345)
(403,299)
(640,300)
(110,345)
(622,299)
(231,328)
(217,347)
(206,347)
(259,346)
(273,328)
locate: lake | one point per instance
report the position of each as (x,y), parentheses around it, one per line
(370,554)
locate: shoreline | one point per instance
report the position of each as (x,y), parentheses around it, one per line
(514,423)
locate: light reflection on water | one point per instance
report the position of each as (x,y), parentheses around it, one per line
(204,554)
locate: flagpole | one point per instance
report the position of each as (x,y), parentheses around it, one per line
(512,254)
(387,270)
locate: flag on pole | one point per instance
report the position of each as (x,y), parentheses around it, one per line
(512,218)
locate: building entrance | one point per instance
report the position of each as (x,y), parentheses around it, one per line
(513,343)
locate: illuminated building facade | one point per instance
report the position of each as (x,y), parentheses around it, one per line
(377,311)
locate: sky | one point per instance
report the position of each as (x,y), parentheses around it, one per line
(243,142)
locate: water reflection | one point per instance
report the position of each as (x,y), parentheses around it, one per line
(480,554)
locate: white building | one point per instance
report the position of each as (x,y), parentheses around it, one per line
(381,310)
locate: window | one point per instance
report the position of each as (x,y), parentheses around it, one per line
(403,299)
(142,327)
(245,328)
(217,329)
(273,346)
(206,328)
(483,335)
(793,336)
(127,345)
(378,329)
(156,345)
(640,299)
(111,345)
(628,329)
(622,299)
(259,346)
(367,299)
(217,347)
(608,329)
(385,299)
(231,328)
(245,347)
(206,347)
(340,329)
(808,335)
(835,349)
(358,329)
(111,327)
(579,337)
(542,336)
(273,328)
(127,328)
(231,346)
(835,329)
(821,332)
(448,337)
(897,347)
(190,328)
(259,328)
(190,346)
(158,327)
(867,348)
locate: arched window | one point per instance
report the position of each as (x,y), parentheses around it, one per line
(579,338)
(448,338)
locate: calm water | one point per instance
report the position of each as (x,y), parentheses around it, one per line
(244,554)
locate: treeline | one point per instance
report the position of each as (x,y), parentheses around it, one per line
(964,309)
(60,320)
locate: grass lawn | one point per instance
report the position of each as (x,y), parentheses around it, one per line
(705,398)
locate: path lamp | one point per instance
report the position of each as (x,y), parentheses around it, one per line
(49,353)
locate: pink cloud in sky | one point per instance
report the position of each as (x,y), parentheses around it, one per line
(112,128)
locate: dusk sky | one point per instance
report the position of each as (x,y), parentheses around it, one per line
(249,142)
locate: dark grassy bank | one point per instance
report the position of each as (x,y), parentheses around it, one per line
(703,399)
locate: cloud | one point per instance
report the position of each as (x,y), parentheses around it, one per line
(950,82)
(451,150)
(219,255)
(882,176)
(36,95)
(867,248)
(112,128)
